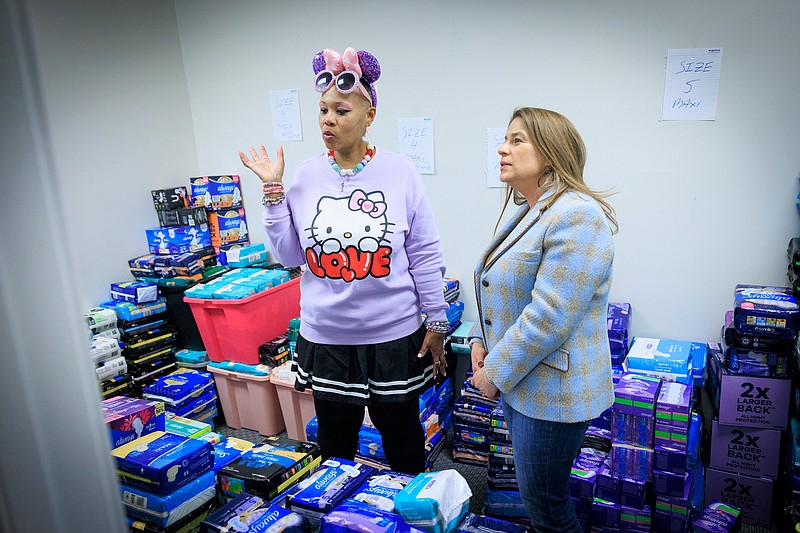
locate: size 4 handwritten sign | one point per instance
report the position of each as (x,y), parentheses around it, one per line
(691,84)
(415,137)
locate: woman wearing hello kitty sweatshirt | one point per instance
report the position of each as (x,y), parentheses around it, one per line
(359,219)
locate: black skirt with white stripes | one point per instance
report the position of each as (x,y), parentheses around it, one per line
(365,373)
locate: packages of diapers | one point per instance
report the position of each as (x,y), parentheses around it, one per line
(435,501)
(250,514)
(162,462)
(330,485)
(165,510)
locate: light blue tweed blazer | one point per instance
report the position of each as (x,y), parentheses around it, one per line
(542,293)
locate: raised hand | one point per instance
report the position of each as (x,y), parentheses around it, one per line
(263,167)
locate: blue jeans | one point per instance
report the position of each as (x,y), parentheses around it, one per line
(543,456)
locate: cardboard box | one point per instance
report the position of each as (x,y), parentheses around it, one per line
(749,401)
(745,450)
(752,495)
(130,418)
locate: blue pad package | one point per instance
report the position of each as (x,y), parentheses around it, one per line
(352,517)
(330,485)
(380,490)
(180,387)
(165,510)
(162,462)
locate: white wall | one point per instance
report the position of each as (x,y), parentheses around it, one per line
(116,98)
(702,205)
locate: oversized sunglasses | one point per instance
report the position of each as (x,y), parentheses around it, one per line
(346,82)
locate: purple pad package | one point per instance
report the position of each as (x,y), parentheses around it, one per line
(669,484)
(765,309)
(631,462)
(605,513)
(636,394)
(670,460)
(673,404)
(584,474)
(632,429)
(718,517)
(670,436)
(632,519)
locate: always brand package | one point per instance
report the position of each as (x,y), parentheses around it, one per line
(165,510)
(355,517)
(180,387)
(247,513)
(435,501)
(130,418)
(330,485)
(380,489)
(222,192)
(176,240)
(162,462)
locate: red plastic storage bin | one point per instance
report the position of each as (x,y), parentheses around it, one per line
(232,330)
(248,401)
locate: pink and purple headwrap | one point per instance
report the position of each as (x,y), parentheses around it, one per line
(361,62)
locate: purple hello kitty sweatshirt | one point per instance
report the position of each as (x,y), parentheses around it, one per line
(370,246)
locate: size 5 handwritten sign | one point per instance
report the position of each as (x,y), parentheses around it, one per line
(415,137)
(691,84)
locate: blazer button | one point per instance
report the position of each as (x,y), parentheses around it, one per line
(485,283)
(487,322)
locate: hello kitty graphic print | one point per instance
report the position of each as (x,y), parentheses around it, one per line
(348,233)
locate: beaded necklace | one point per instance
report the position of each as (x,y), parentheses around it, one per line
(347,173)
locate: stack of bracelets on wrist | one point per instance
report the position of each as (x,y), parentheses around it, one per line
(438,326)
(273,193)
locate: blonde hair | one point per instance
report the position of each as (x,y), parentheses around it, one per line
(560,143)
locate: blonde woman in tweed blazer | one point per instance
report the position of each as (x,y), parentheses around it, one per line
(542,292)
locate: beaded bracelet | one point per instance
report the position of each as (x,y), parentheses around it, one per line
(272,200)
(273,183)
(273,190)
(438,326)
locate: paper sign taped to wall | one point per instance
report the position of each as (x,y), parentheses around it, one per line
(415,137)
(285,107)
(691,84)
